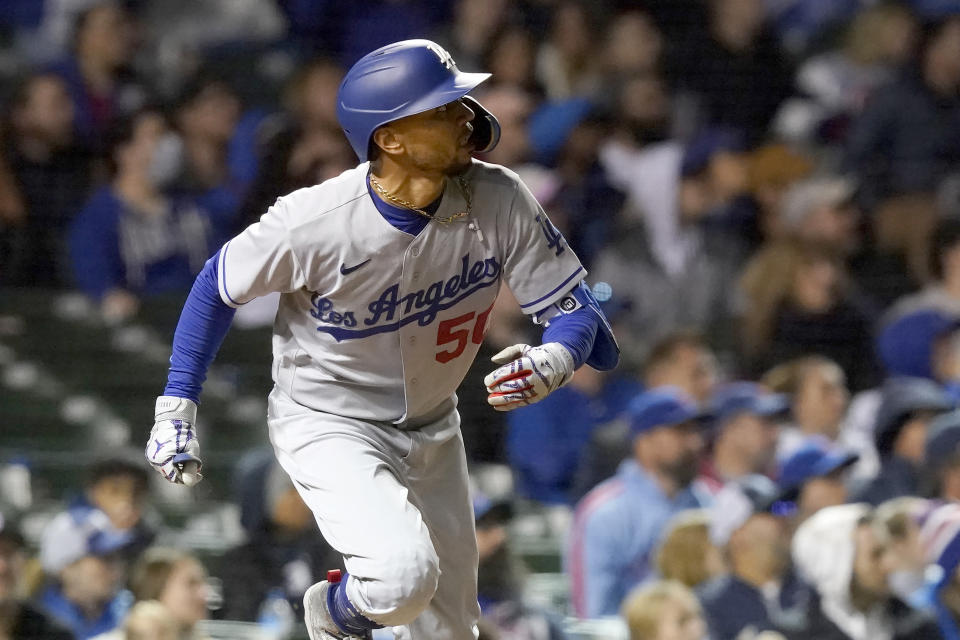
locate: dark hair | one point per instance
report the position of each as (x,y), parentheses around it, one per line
(199,83)
(666,347)
(113,467)
(945,236)
(122,131)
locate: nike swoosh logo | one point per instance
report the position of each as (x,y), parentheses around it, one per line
(344,269)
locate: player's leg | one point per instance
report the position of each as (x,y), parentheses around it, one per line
(349,474)
(437,477)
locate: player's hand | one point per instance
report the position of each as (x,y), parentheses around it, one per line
(173,449)
(528,374)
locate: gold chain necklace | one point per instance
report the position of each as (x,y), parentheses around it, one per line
(464,189)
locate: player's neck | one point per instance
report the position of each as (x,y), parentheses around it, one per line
(417,188)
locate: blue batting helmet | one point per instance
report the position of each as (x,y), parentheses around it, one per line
(396,81)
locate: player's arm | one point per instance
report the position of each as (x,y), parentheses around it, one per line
(577,333)
(173,448)
(254,263)
(547,279)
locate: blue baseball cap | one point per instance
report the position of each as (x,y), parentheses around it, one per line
(813,461)
(732,399)
(705,145)
(905,341)
(660,407)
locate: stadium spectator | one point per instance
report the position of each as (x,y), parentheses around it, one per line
(513,107)
(664,610)
(545,440)
(907,407)
(897,523)
(820,210)
(566,66)
(840,554)
(943,292)
(303,145)
(682,359)
(743,434)
(618,524)
(818,394)
(813,478)
(663,251)
(585,206)
(940,475)
(95,72)
(686,554)
(118,487)
(796,305)
(207,114)
(283,552)
(759,593)
(178,582)
(474,24)
(633,44)
(832,87)
(51,176)
(732,67)
(81,553)
(908,136)
(641,106)
(131,239)
(20,620)
(511,58)
(773,170)
(500,578)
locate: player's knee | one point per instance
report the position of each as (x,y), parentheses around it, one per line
(411,579)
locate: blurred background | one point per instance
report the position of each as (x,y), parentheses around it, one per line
(766,194)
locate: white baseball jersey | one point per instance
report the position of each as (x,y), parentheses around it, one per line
(375,323)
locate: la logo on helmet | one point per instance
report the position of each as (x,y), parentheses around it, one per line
(445,57)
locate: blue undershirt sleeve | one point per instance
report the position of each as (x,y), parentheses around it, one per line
(576,331)
(203,325)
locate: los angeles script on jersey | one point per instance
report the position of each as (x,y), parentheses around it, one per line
(391,310)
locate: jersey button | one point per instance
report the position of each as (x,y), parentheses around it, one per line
(416,251)
(413,340)
(413,381)
(416,276)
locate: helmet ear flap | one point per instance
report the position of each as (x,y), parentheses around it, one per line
(486,127)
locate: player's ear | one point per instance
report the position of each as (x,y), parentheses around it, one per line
(387,140)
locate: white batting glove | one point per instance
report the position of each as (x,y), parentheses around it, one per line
(173,449)
(528,374)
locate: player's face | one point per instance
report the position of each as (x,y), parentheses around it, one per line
(436,141)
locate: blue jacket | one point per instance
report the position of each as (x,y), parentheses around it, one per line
(616,529)
(112,247)
(545,440)
(67,614)
(732,605)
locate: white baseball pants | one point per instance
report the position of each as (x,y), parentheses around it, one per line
(395,503)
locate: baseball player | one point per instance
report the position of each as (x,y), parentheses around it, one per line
(388,273)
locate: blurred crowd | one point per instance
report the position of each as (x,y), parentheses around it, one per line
(766,194)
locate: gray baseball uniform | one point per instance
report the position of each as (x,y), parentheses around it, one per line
(376,329)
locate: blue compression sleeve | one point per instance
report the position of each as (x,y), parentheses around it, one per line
(576,331)
(203,325)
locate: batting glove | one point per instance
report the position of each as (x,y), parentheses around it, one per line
(173,449)
(528,374)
